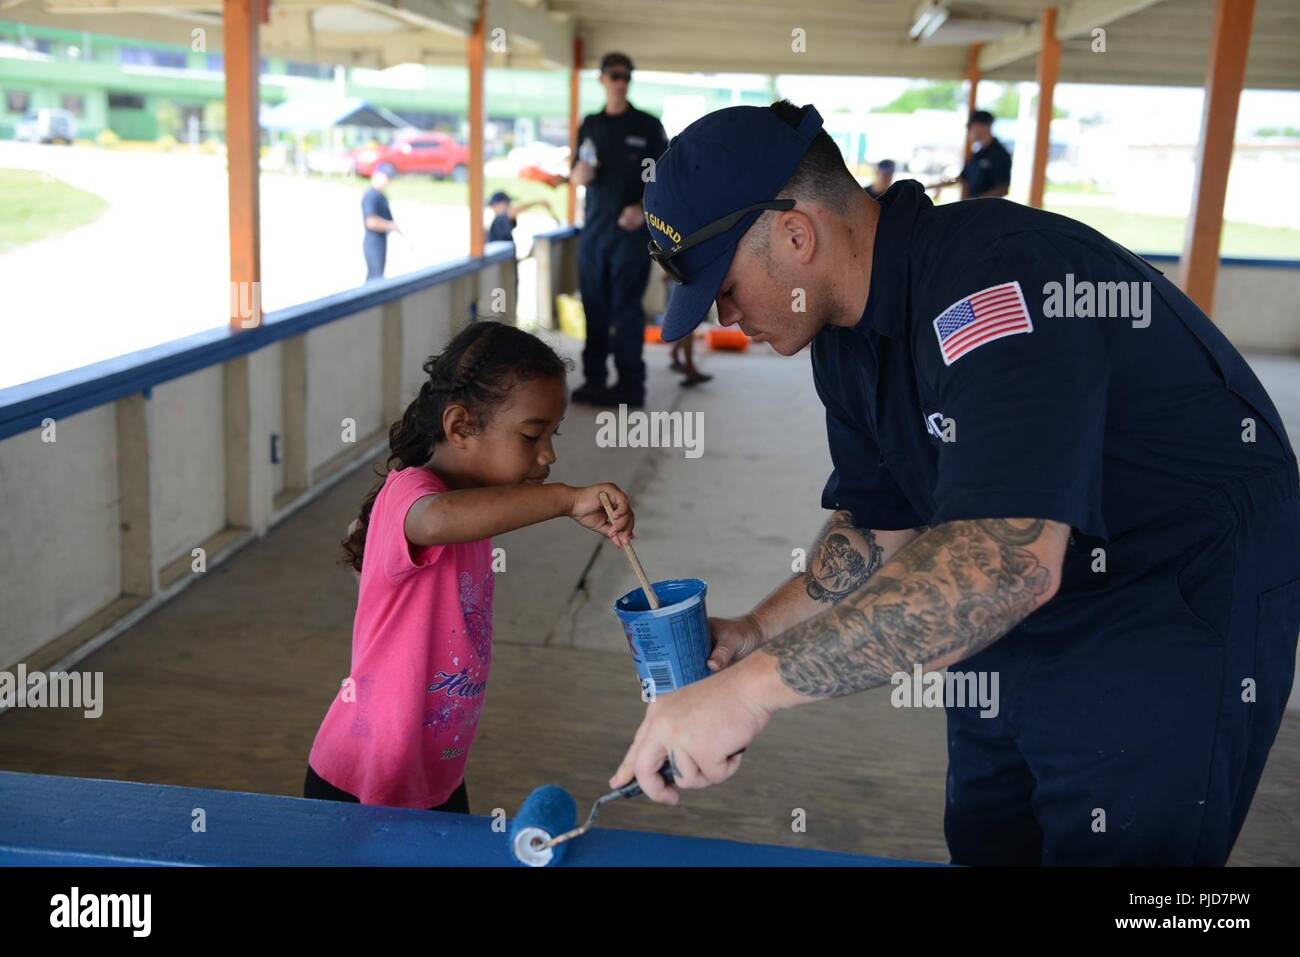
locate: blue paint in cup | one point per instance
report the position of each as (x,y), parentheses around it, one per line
(670,645)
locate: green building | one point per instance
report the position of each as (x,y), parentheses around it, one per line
(146,91)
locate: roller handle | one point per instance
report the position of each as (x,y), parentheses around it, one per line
(650,595)
(633,789)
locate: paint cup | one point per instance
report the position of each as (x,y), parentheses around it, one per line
(670,644)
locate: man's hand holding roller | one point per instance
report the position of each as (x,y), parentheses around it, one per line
(888,600)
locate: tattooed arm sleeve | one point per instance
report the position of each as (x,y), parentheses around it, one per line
(950,592)
(844,556)
(841,560)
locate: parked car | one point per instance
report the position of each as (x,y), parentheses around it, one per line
(47,126)
(436,154)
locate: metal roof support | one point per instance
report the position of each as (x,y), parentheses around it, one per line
(1049,68)
(241,20)
(1229,47)
(972,95)
(477,80)
(575,117)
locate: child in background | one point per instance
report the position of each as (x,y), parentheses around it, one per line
(469,460)
(683,348)
(506,216)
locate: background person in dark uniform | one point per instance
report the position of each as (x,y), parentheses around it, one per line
(1100,510)
(989,171)
(378,220)
(884,179)
(612,266)
(506,216)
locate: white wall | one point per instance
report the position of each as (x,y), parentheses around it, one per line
(62,545)
(187,470)
(1258,307)
(426,329)
(344,376)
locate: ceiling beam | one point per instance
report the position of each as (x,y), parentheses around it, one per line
(550,33)
(1080,17)
(455,17)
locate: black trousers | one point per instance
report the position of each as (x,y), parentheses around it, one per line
(1138,712)
(317,788)
(613,269)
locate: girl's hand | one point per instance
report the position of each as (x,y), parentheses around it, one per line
(588,511)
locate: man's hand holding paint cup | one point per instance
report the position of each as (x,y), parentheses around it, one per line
(733,639)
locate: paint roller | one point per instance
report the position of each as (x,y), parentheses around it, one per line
(540,833)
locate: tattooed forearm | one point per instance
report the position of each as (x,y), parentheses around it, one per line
(839,565)
(954,590)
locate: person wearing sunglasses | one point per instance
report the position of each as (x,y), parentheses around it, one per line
(616,150)
(1091,509)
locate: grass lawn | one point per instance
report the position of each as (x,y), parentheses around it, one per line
(35,206)
(1164,234)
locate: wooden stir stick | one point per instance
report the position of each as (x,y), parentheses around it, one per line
(631,556)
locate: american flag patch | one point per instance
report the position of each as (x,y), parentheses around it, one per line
(981,317)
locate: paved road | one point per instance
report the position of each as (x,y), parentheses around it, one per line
(154,267)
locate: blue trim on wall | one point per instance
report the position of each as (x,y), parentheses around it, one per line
(560,232)
(1227,261)
(25,406)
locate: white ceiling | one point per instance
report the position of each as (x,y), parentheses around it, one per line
(1147,41)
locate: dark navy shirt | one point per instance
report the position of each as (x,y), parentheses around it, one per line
(375,203)
(989,166)
(623,144)
(502,229)
(1099,423)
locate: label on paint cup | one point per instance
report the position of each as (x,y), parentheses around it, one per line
(670,645)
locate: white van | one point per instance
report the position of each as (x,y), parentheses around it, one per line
(47,126)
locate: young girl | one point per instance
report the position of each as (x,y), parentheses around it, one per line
(469,460)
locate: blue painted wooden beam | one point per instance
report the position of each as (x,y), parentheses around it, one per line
(47,820)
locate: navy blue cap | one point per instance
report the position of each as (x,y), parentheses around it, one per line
(722,162)
(500,196)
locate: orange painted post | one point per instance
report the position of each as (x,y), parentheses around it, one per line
(477,119)
(240,20)
(574,120)
(1230,45)
(1049,68)
(972,99)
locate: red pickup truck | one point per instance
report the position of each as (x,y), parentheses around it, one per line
(436,154)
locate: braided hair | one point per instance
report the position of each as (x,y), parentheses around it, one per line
(478,369)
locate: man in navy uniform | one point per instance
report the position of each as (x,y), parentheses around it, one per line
(1049,466)
(377,217)
(988,171)
(615,152)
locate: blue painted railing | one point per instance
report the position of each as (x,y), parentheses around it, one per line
(66,821)
(23,407)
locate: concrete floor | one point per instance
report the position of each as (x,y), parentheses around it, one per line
(225,686)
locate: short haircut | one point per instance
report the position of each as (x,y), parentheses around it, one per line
(980,116)
(821,177)
(610,60)
(885,166)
